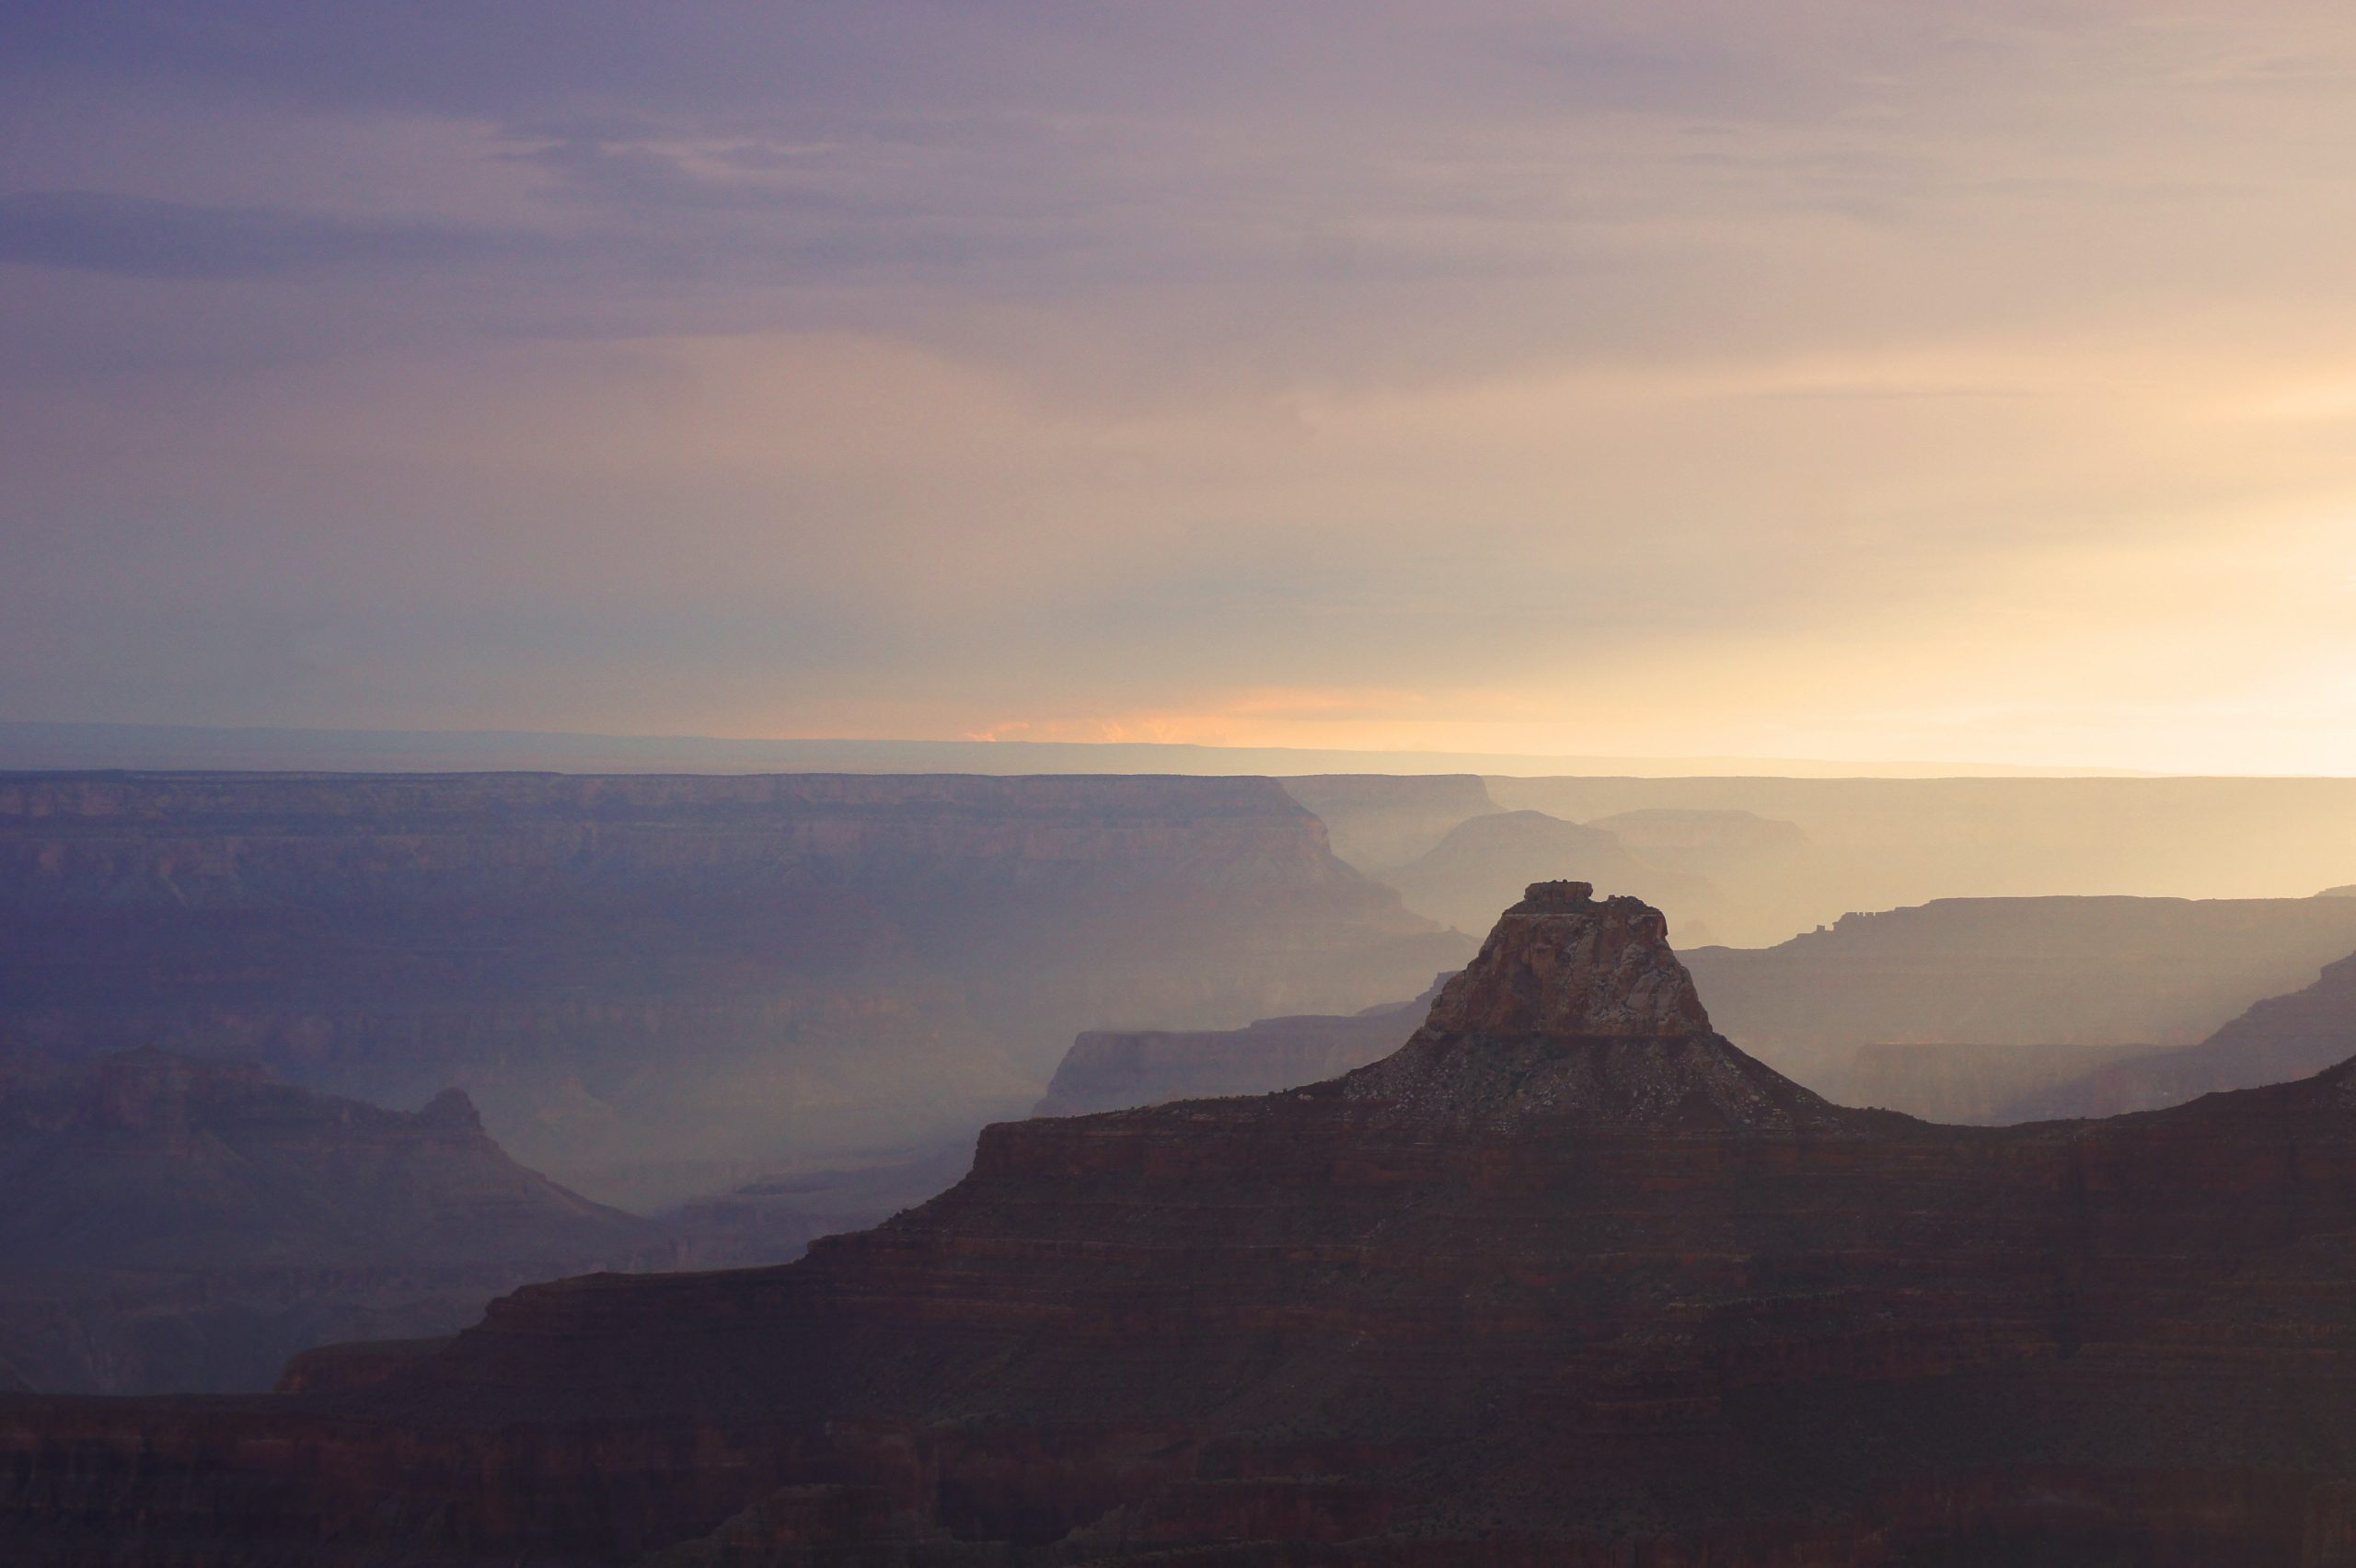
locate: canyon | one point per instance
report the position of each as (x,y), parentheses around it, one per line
(1568,1278)
(661,988)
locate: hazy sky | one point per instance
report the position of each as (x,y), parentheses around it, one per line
(1877,379)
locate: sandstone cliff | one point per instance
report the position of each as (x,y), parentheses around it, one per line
(658,987)
(1569,1280)
(186,1225)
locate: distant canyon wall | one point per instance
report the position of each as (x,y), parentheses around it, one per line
(657,986)
(1379,821)
(2015,971)
(1880,843)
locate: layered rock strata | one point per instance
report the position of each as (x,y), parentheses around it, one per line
(1568,1280)
(662,986)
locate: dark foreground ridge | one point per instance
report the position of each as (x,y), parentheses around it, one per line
(1567,1280)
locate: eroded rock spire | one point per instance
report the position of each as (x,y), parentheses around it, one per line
(1562,965)
(1578,1010)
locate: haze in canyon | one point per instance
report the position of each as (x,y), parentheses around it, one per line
(1317,785)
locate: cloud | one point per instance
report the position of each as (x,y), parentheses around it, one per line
(1545,376)
(138,236)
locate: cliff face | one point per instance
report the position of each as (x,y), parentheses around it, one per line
(1567,1280)
(1114,1070)
(175,1224)
(2031,972)
(2277,1040)
(660,985)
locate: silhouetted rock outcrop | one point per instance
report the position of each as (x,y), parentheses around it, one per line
(1577,1014)
(659,986)
(1567,1281)
(177,1224)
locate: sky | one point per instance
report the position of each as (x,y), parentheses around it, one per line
(1862,380)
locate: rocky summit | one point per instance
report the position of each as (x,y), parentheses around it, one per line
(1577,1011)
(1566,1280)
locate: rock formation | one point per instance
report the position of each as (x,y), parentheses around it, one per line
(2277,1040)
(2026,972)
(657,986)
(1577,1014)
(185,1225)
(1567,1281)
(1117,1070)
